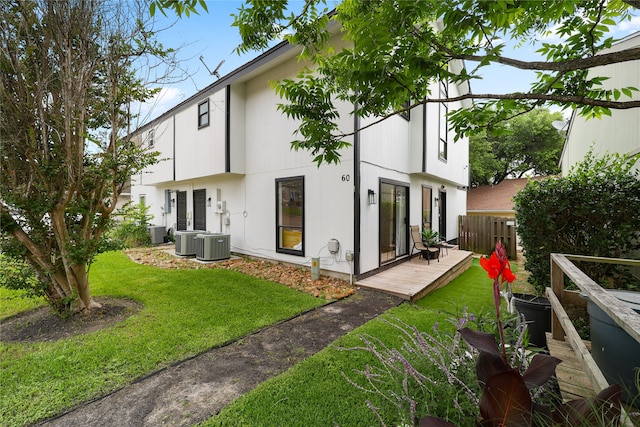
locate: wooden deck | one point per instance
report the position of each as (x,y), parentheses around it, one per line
(415,278)
(572,379)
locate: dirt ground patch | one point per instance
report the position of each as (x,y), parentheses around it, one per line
(43,324)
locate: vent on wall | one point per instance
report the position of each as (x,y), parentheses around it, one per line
(213,247)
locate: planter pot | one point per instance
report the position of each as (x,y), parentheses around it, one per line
(616,352)
(537,313)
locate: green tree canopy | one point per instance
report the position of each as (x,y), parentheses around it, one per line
(530,145)
(400,49)
(68,78)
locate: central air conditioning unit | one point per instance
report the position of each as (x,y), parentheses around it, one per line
(213,247)
(157,233)
(186,242)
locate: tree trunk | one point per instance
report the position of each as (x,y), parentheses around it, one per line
(62,286)
(85,301)
(75,56)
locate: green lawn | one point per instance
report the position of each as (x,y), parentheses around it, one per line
(315,393)
(185,312)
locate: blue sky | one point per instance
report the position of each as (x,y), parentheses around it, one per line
(211,36)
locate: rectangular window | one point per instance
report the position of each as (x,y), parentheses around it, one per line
(203,114)
(290,215)
(444,125)
(406,114)
(167,201)
(151,138)
(426,207)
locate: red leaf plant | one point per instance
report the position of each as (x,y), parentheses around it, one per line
(506,399)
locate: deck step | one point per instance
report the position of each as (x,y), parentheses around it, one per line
(573,381)
(415,278)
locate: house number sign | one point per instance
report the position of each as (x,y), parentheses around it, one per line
(346,178)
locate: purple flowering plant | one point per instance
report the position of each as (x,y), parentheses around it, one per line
(470,378)
(506,399)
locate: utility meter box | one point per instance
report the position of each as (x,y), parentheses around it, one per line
(221,206)
(333,246)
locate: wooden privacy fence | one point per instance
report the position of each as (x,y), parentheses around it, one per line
(480,233)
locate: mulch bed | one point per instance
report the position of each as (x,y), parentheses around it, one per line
(298,278)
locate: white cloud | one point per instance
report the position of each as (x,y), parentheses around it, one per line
(630,26)
(551,36)
(167,98)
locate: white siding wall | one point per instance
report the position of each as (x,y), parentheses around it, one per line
(618,133)
(455,168)
(386,143)
(394,150)
(261,153)
(201,152)
(163,170)
(328,198)
(237,128)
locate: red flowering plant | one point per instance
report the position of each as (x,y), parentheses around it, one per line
(499,270)
(506,399)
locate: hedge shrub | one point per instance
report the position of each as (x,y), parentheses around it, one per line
(594,210)
(132,229)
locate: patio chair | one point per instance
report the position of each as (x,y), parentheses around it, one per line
(443,244)
(418,244)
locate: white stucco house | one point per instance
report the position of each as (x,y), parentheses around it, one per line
(618,133)
(228,167)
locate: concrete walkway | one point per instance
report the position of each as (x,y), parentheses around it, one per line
(193,390)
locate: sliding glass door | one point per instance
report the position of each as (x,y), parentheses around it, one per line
(394,214)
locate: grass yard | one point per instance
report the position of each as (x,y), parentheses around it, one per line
(185,312)
(315,393)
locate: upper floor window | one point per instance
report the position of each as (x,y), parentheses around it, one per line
(444,124)
(203,114)
(290,215)
(151,138)
(407,113)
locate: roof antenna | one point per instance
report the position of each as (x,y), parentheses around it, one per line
(214,72)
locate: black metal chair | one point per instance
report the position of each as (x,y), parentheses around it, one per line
(425,250)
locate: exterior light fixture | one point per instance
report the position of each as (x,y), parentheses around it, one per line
(372,197)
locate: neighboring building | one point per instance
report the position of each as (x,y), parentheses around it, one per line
(495,200)
(228,167)
(618,133)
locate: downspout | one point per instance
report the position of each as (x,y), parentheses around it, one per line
(227,134)
(356,192)
(424,137)
(174,148)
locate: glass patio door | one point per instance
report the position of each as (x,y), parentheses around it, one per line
(393,221)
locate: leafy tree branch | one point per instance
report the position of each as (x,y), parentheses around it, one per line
(399,51)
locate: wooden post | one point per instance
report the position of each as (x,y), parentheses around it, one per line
(557,286)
